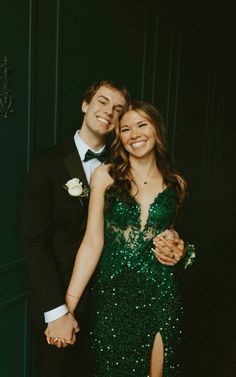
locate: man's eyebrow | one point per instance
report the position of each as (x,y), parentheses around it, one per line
(107,99)
(103,97)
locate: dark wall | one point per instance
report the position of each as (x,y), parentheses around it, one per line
(209,95)
(179,56)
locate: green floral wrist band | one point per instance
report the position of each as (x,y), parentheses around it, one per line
(189,255)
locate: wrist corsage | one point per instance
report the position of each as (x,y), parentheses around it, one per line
(190,255)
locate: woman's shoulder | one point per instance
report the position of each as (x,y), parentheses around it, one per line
(101,176)
(102,171)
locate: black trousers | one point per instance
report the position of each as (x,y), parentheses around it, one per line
(72,361)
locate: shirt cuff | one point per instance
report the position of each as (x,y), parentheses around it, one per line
(56,313)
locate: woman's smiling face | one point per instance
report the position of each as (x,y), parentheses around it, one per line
(137,134)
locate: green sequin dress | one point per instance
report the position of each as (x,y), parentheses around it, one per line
(134,296)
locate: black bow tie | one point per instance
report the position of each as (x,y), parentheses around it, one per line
(89,155)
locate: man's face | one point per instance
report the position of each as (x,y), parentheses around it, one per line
(102,113)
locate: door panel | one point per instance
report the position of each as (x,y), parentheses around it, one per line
(98,45)
(14,61)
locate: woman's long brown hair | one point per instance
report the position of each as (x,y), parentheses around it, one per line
(120,165)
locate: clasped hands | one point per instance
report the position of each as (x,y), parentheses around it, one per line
(168,249)
(62,332)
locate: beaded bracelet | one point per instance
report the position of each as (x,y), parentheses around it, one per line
(68,294)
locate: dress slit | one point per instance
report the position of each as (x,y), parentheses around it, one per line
(157,356)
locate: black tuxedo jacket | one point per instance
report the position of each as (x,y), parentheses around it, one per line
(53,224)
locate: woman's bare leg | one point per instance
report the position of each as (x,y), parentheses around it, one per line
(157,357)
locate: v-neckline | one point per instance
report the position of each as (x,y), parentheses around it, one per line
(156,197)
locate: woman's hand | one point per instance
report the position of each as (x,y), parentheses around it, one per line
(168,247)
(62,331)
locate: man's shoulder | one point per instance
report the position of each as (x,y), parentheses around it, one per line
(52,158)
(59,150)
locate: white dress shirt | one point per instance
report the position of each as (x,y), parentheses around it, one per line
(89,167)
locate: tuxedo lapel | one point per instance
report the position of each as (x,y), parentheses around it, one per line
(73,162)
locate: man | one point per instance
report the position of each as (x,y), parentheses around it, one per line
(54,220)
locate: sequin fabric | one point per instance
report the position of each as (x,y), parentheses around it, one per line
(134,296)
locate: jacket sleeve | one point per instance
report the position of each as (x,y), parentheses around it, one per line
(37,233)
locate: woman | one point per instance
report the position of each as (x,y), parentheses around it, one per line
(136,304)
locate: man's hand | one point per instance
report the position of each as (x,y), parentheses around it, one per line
(61,332)
(168,247)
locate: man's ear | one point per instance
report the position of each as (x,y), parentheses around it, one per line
(84,107)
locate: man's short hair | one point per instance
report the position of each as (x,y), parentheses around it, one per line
(92,90)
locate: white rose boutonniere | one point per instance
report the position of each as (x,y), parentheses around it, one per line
(76,188)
